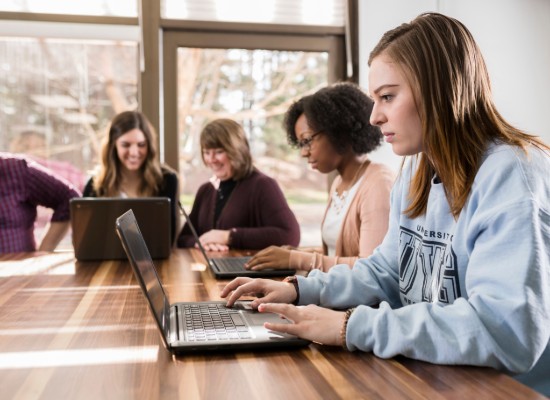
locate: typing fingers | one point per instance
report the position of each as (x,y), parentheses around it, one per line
(253,261)
(263,261)
(235,283)
(251,288)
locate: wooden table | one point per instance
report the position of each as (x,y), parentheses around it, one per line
(73,330)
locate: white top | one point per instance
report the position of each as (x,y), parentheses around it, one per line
(336,212)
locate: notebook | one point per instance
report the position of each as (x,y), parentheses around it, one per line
(232,267)
(196,326)
(93,225)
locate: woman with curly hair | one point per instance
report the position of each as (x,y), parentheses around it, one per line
(130,165)
(331,129)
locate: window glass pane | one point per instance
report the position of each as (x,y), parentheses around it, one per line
(255,88)
(288,12)
(58,96)
(118,8)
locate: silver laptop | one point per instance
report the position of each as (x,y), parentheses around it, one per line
(196,326)
(231,267)
(93,225)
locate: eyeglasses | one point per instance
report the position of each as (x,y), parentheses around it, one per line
(306,143)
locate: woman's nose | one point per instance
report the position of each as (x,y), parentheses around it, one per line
(134,150)
(376,116)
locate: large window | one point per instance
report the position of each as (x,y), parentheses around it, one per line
(57,99)
(68,68)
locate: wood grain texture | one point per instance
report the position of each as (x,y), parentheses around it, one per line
(74,330)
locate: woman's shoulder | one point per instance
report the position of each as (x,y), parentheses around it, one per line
(258,177)
(378,174)
(514,171)
(168,172)
(89,190)
(19,162)
(508,159)
(381,170)
(206,187)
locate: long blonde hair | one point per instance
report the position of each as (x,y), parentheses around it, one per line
(107,181)
(452,91)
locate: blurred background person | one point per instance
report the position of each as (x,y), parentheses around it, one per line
(130,165)
(331,129)
(34,144)
(240,207)
(25,185)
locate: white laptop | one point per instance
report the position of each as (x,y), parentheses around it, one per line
(197,326)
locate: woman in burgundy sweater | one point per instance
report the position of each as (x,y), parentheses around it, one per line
(240,207)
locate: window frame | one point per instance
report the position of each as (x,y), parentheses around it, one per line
(173,39)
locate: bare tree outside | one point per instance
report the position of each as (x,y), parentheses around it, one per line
(65,92)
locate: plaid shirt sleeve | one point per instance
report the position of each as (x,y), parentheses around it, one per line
(47,189)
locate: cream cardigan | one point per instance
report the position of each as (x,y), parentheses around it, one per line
(364,226)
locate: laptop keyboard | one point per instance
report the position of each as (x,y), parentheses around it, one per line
(213,322)
(232,264)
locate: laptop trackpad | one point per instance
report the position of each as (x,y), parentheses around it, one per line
(256,321)
(258,318)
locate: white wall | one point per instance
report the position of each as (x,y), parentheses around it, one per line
(514,37)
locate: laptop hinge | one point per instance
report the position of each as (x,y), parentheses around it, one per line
(215,266)
(174,325)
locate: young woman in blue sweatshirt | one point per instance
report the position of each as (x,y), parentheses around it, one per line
(463,274)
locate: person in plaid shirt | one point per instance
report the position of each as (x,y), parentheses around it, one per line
(25,185)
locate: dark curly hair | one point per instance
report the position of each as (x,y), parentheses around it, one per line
(342,112)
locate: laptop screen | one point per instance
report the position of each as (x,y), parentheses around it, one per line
(95,238)
(195,234)
(144,269)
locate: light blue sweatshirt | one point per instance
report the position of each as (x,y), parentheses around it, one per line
(475,291)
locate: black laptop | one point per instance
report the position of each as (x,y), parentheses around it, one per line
(93,225)
(197,326)
(232,267)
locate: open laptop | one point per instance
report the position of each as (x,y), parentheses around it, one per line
(232,267)
(196,326)
(93,225)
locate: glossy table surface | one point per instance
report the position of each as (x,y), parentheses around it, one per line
(74,330)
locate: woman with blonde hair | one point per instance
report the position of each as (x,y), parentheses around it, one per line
(130,165)
(240,207)
(463,275)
